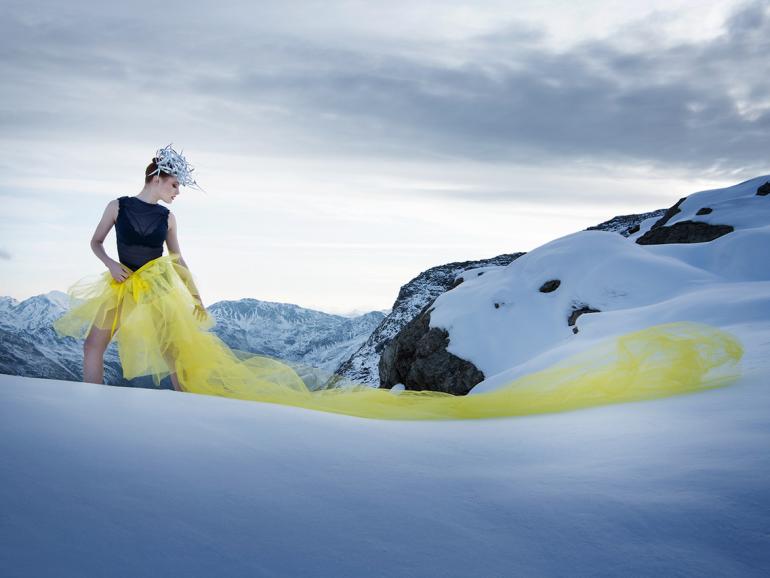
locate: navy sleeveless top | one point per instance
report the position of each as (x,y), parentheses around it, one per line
(140,229)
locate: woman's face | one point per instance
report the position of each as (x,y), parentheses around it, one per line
(169,188)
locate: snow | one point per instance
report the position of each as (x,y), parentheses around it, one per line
(101,480)
(502,323)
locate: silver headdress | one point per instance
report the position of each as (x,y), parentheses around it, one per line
(173,163)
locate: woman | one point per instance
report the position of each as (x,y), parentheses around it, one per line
(142,225)
(149,300)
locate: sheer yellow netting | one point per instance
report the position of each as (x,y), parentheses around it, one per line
(151,315)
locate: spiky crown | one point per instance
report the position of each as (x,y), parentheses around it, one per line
(173,163)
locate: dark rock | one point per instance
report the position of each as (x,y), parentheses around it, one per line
(577,312)
(684,232)
(704,211)
(550,286)
(497,306)
(456,282)
(670,212)
(633,229)
(417,357)
(764,190)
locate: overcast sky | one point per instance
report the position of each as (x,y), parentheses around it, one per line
(347,146)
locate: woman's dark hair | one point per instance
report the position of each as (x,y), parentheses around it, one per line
(151,168)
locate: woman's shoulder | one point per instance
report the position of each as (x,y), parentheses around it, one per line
(112,209)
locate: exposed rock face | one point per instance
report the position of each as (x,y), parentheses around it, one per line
(364,365)
(418,359)
(764,190)
(684,232)
(577,311)
(550,286)
(667,216)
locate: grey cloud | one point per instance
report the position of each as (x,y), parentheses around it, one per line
(694,105)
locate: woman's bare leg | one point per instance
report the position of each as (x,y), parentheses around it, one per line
(175,382)
(94,347)
(93,354)
(171,361)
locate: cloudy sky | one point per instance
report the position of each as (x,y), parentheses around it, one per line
(347,146)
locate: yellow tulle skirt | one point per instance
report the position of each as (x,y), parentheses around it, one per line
(150,314)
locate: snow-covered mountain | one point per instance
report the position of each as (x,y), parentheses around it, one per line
(313,341)
(29,345)
(704,260)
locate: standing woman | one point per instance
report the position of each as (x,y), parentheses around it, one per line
(141,293)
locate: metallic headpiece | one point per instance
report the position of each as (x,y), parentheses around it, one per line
(173,163)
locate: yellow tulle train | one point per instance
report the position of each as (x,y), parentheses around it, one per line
(151,316)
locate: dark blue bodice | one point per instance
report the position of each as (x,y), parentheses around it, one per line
(141,230)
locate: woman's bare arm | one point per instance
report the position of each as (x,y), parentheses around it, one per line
(118,271)
(102,229)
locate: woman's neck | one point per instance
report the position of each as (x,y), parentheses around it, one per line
(146,196)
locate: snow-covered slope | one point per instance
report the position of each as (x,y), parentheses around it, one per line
(415,295)
(98,481)
(505,325)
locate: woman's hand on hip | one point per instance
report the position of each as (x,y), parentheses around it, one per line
(119,271)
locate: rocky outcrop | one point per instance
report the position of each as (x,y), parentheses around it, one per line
(684,232)
(418,359)
(669,214)
(577,311)
(550,286)
(688,231)
(764,190)
(364,365)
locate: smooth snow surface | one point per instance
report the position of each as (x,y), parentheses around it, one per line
(109,481)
